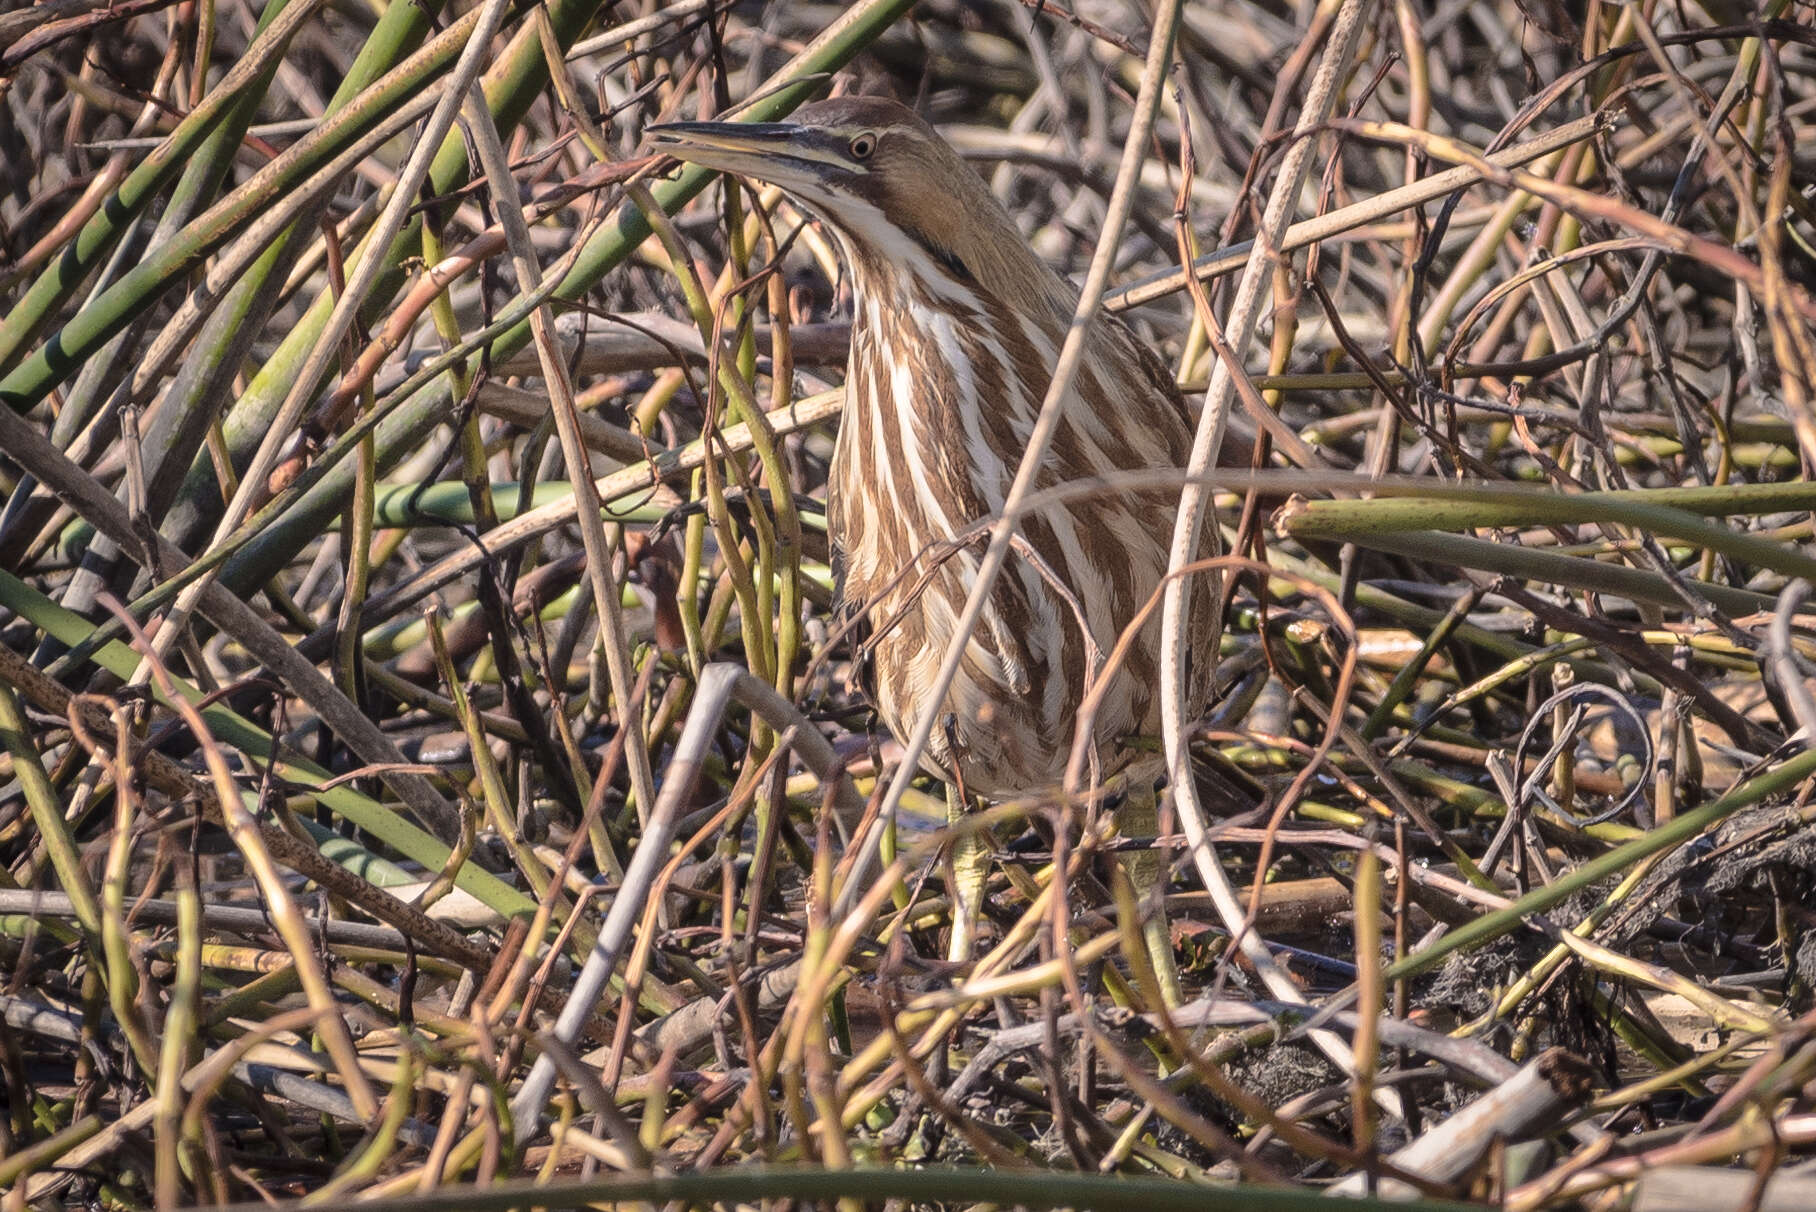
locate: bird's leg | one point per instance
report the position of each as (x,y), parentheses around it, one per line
(970,868)
(1139,816)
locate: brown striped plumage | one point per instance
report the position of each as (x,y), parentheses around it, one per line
(957,327)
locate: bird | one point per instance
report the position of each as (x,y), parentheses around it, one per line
(956,326)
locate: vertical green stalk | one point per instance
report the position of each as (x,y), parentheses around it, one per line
(735,309)
(492,787)
(1369,999)
(47,816)
(778,540)
(358,552)
(687,595)
(178,1045)
(116,941)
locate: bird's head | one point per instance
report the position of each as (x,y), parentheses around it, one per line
(895,191)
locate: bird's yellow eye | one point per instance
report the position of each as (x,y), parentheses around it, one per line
(862,145)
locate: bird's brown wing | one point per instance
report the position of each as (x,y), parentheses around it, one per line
(847,613)
(1238,448)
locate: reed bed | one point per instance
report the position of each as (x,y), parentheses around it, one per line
(394,809)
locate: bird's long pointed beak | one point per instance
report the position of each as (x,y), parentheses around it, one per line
(781,152)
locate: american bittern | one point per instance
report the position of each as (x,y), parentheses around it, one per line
(956,328)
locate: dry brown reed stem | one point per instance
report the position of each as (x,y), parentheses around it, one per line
(1585,204)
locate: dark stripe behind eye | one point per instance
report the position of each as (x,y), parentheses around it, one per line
(945,256)
(951,261)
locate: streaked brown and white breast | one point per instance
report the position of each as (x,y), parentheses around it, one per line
(929,445)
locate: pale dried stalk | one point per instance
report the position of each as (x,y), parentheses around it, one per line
(1239,330)
(720,685)
(1308,232)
